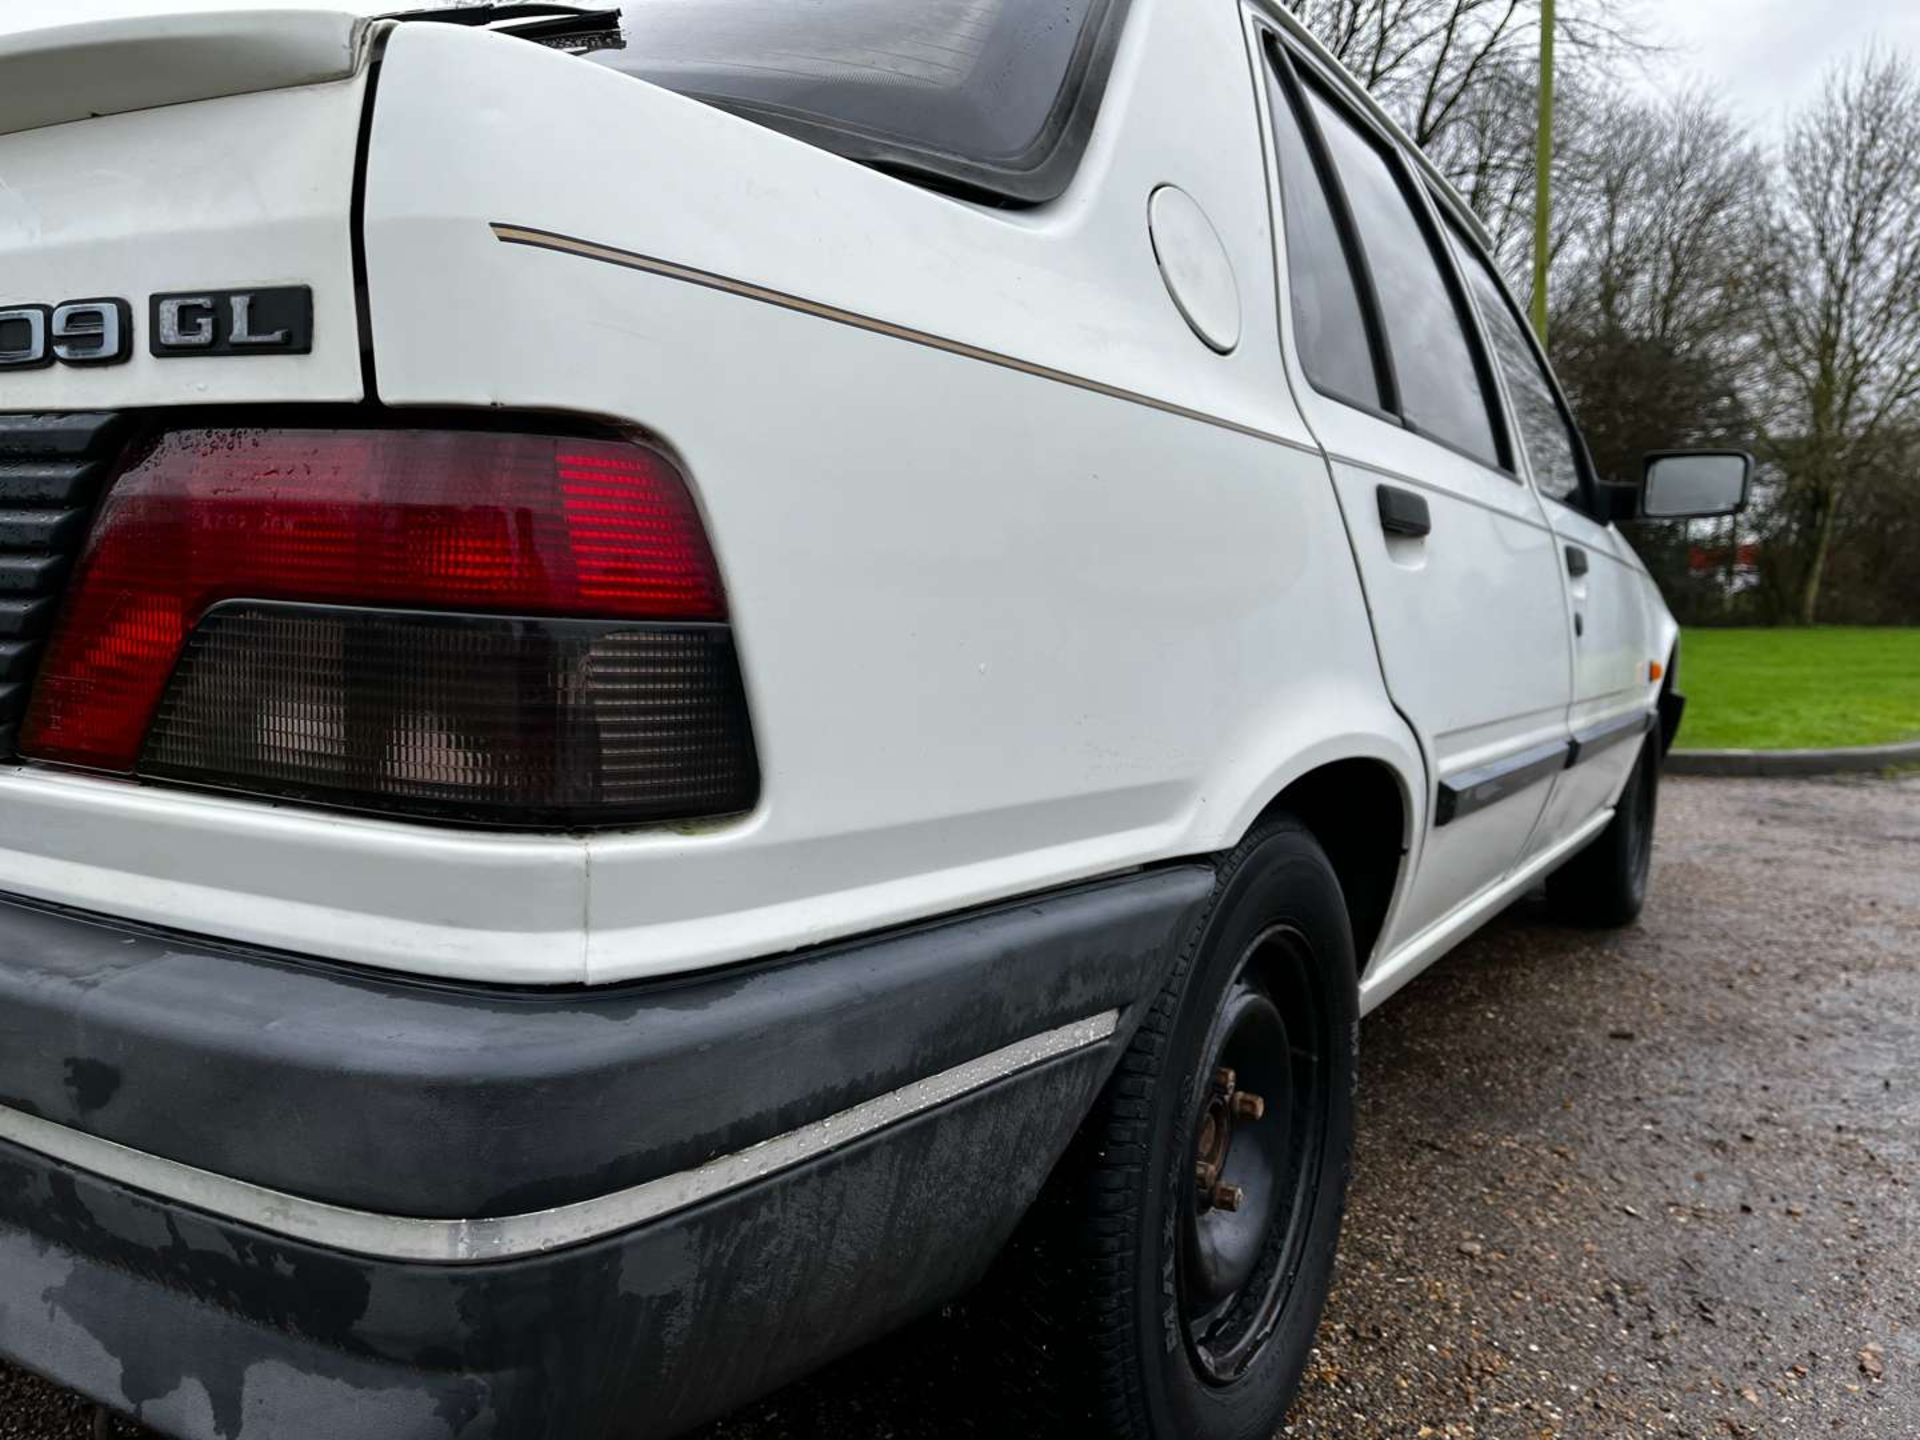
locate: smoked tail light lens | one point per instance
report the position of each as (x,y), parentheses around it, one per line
(527,722)
(504,628)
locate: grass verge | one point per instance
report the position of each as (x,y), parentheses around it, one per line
(1796,689)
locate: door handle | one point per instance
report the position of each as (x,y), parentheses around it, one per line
(1402,512)
(1576,561)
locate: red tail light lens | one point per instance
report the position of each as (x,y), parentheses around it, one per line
(425,521)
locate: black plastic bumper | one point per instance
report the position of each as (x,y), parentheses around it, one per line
(382,1094)
(416,1100)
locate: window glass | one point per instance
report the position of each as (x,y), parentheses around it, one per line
(994,94)
(1329,327)
(1433,359)
(1551,453)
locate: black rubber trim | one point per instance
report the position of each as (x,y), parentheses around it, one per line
(1476,789)
(382,1094)
(1604,736)
(1673,710)
(1040,172)
(128,1299)
(52,468)
(357,221)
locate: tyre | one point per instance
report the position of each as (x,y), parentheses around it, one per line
(1605,885)
(1184,1259)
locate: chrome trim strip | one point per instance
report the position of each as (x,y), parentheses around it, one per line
(672,270)
(467,1242)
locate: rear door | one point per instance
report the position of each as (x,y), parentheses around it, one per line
(1460,567)
(1604,592)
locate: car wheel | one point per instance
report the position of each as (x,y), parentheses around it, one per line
(1187,1252)
(1605,885)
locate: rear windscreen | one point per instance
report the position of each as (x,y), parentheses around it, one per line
(992,97)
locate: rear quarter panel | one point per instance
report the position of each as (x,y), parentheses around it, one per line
(1003,628)
(1000,630)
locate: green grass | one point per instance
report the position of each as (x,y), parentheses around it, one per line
(1791,689)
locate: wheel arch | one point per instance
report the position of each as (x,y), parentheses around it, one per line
(1359,809)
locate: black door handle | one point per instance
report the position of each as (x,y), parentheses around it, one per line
(1402,512)
(1576,561)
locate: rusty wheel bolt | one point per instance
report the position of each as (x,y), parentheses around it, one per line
(1248,1106)
(1228,1197)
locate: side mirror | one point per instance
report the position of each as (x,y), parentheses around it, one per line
(1696,484)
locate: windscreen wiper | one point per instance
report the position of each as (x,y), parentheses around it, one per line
(564,27)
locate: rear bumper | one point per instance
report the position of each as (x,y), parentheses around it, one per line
(242,1196)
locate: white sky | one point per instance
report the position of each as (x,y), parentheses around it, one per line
(1765,56)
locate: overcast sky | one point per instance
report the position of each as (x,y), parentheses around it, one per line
(1765,56)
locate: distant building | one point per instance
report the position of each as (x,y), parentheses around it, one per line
(1707,562)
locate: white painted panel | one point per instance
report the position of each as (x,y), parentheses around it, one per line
(57,67)
(249,190)
(1000,629)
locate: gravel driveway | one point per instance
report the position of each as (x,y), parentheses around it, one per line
(1661,1182)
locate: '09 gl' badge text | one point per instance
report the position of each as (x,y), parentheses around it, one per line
(277,321)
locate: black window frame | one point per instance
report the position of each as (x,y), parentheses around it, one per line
(1040,173)
(1289,74)
(1282,91)
(1582,457)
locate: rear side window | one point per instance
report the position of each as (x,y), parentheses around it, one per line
(1551,451)
(991,96)
(1435,364)
(1329,319)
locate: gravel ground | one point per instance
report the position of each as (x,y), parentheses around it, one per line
(1660,1182)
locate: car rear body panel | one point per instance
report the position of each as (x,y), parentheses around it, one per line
(251,190)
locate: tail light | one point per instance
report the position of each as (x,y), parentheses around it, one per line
(511,628)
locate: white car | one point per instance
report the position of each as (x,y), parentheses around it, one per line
(653,679)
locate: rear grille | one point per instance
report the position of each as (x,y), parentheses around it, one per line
(51,470)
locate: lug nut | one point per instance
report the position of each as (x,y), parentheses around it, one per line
(1248,1106)
(1227,1197)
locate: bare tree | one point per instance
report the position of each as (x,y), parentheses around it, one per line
(1459,75)
(1426,59)
(1665,226)
(1842,328)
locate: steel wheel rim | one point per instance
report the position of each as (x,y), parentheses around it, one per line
(1236,1268)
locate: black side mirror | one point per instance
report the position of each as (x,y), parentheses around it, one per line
(1696,484)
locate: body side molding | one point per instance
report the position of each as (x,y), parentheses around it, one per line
(1604,736)
(1466,791)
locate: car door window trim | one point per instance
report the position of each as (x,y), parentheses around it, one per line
(1582,456)
(1291,74)
(1285,89)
